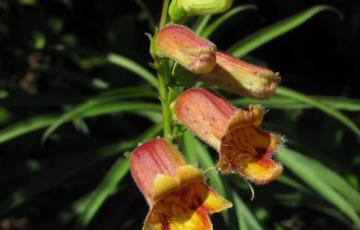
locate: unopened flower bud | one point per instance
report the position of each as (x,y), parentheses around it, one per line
(179,43)
(243,147)
(181,10)
(241,78)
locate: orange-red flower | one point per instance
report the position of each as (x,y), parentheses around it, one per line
(243,147)
(241,77)
(237,76)
(179,43)
(175,191)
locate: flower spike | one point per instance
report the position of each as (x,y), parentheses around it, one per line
(243,147)
(179,43)
(174,190)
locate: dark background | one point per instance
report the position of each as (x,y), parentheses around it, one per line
(320,57)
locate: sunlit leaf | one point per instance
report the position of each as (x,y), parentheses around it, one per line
(282,102)
(246,219)
(56,170)
(95,102)
(201,23)
(40,122)
(189,146)
(286,92)
(132,66)
(24,127)
(299,165)
(275,30)
(333,179)
(107,187)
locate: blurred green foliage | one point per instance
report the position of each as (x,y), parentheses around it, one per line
(77,94)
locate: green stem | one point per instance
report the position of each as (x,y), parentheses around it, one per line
(162,74)
(164,11)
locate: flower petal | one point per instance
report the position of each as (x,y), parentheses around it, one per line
(186,208)
(214,202)
(165,184)
(246,149)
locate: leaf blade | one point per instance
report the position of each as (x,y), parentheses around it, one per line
(210,29)
(277,29)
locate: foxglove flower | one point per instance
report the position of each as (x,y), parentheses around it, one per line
(181,10)
(174,190)
(179,43)
(243,147)
(241,78)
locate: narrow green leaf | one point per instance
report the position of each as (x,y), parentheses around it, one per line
(245,217)
(40,122)
(56,170)
(299,166)
(105,189)
(285,92)
(210,29)
(107,97)
(24,127)
(341,103)
(189,147)
(281,102)
(132,66)
(113,108)
(334,180)
(201,23)
(277,29)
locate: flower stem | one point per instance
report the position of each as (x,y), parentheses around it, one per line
(163,76)
(164,11)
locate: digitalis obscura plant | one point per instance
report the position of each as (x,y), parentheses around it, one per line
(176,191)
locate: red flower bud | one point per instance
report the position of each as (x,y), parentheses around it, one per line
(241,78)
(179,43)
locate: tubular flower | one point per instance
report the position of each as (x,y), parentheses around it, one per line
(180,10)
(174,190)
(243,147)
(179,43)
(241,78)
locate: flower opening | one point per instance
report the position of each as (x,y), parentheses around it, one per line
(175,191)
(243,147)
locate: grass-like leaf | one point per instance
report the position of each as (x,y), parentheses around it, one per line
(285,92)
(40,122)
(24,127)
(102,99)
(59,169)
(132,66)
(277,29)
(201,23)
(246,219)
(281,102)
(300,166)
(333,179)
(107,187)
(189,146)
(210,29)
